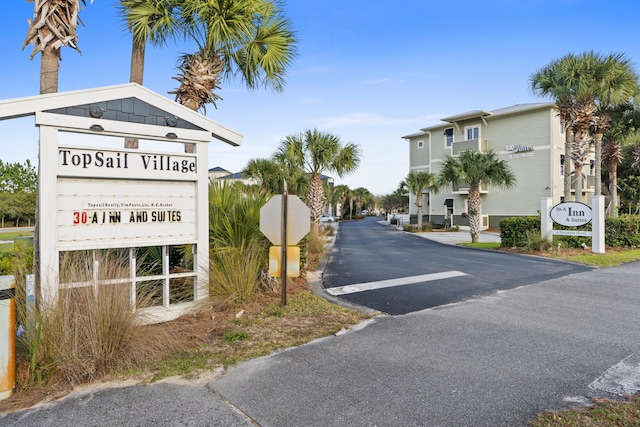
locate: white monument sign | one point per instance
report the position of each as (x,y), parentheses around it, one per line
(94,197)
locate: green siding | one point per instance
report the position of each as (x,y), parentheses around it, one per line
(537,170)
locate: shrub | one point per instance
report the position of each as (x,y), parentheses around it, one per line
(623,231)
(5,263)
(410,228)
(513,231)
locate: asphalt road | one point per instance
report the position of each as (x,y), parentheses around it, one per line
(420,273)
(495,360)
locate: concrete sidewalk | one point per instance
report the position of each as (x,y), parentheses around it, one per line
(452,237)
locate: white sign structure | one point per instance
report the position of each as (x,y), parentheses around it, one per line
(574,214)
(94,197)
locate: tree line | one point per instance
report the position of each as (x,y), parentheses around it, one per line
(18,183)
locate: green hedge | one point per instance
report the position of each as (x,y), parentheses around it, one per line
(623,231)
(513,231)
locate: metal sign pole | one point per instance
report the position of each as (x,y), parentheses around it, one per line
(283,247)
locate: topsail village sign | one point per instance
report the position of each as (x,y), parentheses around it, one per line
(95,197)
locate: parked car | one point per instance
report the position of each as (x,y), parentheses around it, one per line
(327,218)
(364,212)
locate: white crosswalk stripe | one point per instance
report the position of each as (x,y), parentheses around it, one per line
(401,281)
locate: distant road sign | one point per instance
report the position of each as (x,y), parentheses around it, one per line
(298,220)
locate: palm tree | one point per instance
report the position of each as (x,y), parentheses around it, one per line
(249,39)
(268,172)
(148,20)
(623,129)
(342,194)
(53,26)
(617,85)
(418,182)
(361,196)
(316,152)
(579,83)
(476,168)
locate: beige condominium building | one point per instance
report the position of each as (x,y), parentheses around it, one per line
(529,137)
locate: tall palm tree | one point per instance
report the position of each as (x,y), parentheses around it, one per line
(248,39)
(155,21)
(617,84)
(419,182)
(147,20)
(316,152)
(53,26)
(579,83)
(476,168)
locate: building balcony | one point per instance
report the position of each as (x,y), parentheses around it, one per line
(588,184)
(480,145)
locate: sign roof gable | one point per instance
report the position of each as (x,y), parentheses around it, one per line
(129,102)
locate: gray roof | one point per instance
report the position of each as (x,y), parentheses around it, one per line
(218,169)
(514,109)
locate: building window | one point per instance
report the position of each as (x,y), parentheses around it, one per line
(561,164)
(420,144)
(448,137)
(472,132)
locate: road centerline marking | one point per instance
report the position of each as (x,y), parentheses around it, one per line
(390,283)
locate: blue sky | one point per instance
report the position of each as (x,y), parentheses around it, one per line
(368,71)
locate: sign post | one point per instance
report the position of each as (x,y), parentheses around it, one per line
(283,247)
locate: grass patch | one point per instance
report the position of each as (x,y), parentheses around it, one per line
(482,245)
(265,327)
(605,413)
(608,259)
(12,235)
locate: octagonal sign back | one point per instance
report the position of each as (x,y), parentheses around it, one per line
(298,219)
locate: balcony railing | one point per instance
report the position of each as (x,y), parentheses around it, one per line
(588,183)
(470,144)
(463,188)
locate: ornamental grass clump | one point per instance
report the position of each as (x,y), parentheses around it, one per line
(88,330)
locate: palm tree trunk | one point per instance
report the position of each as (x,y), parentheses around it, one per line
(315,198)
(567,164)
(578,176)
(419,203)
(136,74)
(598,164)
(49,66)
(613,177)
(137,61)
(475,207)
